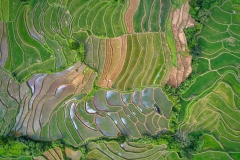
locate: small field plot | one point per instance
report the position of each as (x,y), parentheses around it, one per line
(9,102)
(102,18)
(217,113)
(114,150)
(4,53)
(226,59)
(202,83)
(212,155)
(4,9)
(149,17)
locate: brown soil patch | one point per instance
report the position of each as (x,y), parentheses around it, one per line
(175,18)
(116,49)
(73,155)
(78,80)
(180,70)
(48,155)
(180,73)
(59,152)
(172,79)
(54,154)
(191,22)
(76,71)
(181,20)
(187,66)
(84,82)
(103,82)
(128,17)
(116,45)
(39,158)
(121,61)
(182,38)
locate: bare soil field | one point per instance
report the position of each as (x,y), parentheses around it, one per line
(181,20)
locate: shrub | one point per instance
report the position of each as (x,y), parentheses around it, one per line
(73,44)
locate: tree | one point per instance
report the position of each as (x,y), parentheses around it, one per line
(203,15)
(82,52)
(190,35)
(73,44)
(196,51)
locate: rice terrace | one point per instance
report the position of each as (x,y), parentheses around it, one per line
(120,79)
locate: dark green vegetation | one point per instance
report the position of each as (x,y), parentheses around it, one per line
(111,105)
(211,102)
(23,148)
(199,10)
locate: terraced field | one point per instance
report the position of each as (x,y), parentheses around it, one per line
(114,150)
(49,92)
(131,61)
(107,114)
(213,99)
(218,113)
(55,153)
(149,18)
(108,84)
(11,94)
(38,32)
(220,45)
(57,109)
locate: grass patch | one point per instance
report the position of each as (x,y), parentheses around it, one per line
(227,6)
(171,43)
(225,17)
(4,8)
(108,20)
(210,143)
(233,82)
(226,59)
(177,3)
(203,65)
(210,155)
(235,29)
(217,26)
(165,9)
(202,83)
(209,47)
(148,5)
(154,25)
(235,155)
(98,26)
(117,24)
(137,18)
(212,35)
(183,109)
(235,19)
